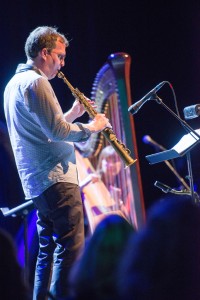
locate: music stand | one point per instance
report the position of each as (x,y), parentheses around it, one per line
(22,211)
(185,144)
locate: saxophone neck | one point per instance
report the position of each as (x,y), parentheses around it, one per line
(62,76)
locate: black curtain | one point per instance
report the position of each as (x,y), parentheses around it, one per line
(163,41)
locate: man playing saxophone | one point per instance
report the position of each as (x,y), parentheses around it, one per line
(42,141)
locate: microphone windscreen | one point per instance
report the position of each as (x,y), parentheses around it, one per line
(146,139)
(191,112)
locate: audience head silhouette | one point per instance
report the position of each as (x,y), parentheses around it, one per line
(94,274)
(12,284)
(162,261)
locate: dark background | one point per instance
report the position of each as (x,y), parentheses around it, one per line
(163,40)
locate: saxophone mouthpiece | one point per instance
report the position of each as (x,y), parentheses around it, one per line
(60,75)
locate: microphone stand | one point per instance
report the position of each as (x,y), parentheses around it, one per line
(188,130)
(177,175)
(169,165)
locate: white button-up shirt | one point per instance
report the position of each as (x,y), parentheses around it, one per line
(42,140)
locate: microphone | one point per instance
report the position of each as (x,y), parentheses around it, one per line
(133,109)
(148,140)
(191,112)
(167,189)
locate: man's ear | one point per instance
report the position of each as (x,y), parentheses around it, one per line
(43,53)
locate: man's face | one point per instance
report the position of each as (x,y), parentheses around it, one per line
(55,60)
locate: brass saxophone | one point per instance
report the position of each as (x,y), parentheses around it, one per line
(108,133)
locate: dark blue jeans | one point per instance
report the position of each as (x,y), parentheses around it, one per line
(60,227)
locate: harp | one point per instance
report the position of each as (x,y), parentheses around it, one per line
(118,189)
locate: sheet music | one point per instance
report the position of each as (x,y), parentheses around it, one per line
(186,142)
